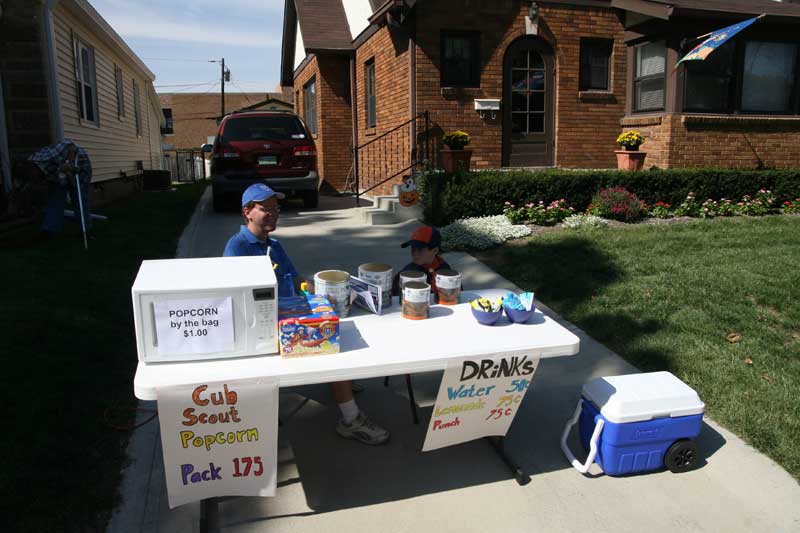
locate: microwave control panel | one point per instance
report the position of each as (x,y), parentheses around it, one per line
(266,314)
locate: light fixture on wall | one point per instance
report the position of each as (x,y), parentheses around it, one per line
(532,19)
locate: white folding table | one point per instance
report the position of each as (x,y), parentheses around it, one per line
(379,345)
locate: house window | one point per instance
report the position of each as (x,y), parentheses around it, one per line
(710,83)
(137,110)
(764,73)
(769,77)
(595,61)
(86,81)
(310,105)
(167,129)
(120,92)
(648,82)
(369,88)
(461,61)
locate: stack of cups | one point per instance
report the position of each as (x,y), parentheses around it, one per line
(335,286)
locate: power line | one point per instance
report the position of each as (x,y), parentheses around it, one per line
(196,84)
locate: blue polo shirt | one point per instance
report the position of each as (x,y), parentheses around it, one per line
(245,243)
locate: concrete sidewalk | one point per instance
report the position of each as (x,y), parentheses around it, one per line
(328,484)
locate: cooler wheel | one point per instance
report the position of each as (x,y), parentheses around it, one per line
(681,456)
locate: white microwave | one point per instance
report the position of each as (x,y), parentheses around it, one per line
(209,308)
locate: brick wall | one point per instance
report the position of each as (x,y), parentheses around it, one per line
(684,141)
(586,125)
(388,47)
(334,121)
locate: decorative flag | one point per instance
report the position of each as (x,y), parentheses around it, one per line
(714,40)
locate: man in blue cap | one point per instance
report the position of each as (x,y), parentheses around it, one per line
(260,210)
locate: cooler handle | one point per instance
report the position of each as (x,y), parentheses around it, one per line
(598,428)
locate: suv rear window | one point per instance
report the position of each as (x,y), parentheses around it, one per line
(275,128)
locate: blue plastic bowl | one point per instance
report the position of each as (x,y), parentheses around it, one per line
(486,318)
(519,317)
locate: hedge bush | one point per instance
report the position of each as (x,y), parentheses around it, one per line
(485,193)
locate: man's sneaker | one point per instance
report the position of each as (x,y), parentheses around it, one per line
(363,430)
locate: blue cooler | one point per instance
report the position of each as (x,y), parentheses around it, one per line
(637,423)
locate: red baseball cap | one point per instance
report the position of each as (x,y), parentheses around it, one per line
(424,237)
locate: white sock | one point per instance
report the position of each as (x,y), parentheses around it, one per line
(349,411)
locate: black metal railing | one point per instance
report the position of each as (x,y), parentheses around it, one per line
(403,150)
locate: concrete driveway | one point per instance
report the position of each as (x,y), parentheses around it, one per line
(329,484)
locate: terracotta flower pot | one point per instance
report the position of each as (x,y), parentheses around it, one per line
(627,160)
(454,160)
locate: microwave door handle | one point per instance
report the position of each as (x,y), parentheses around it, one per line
(153,324)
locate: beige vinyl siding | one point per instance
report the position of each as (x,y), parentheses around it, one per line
(113,145)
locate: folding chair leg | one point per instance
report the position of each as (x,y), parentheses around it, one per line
(386,381)
(411,399)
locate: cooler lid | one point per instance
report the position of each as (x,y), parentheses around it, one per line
(638,397)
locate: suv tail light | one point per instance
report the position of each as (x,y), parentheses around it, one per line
(225,152)
(304,151)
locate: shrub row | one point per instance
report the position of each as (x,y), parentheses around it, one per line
(485,193)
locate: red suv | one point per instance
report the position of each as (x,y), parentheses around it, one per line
(270,147)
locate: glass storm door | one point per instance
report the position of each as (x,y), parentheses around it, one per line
(528,104)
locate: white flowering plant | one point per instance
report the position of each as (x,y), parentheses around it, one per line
(581,221)
(481,233)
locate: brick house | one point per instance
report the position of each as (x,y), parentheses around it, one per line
(65,73)
(194,117)
(568,76)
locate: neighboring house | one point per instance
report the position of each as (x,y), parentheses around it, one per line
(67,74)
(569,77)
(192,118)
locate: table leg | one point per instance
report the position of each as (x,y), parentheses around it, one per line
(498,445)
(209,515)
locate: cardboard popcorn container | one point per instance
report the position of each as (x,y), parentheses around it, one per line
(379,274)
(410,275)
(335,286)
(448,286)
(416,297)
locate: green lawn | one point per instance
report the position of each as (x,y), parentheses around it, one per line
(666,297)
(69,353)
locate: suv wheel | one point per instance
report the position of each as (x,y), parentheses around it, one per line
(311,199)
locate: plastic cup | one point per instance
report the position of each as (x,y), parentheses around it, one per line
(448,286)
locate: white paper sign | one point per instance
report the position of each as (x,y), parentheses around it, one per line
(366,295)
(219,439)
(194,326)
(479,398)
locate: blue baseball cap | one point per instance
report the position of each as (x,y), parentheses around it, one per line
(258,192)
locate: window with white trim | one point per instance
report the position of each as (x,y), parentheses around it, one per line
(119,81)
(86,79)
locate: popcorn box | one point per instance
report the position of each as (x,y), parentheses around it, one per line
(307,325)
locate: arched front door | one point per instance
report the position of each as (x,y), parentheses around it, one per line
(528,95)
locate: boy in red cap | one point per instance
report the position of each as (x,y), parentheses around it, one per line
(425,243)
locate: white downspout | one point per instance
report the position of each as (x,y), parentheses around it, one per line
(5,163)
(56,126)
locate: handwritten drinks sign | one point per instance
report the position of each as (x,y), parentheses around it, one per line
(194,326)
(479,398)
(219,439)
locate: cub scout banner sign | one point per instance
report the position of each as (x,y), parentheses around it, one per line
(479,398)
(219,439)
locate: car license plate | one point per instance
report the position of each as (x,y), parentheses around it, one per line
(268,160)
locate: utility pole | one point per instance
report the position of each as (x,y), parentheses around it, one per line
(224,75)
(222,93)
